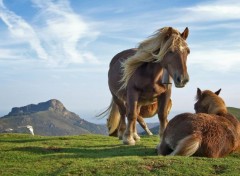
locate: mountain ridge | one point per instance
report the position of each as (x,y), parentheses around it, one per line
(52,104)
(49,118)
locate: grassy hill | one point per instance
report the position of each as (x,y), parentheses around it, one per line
(100,155)
(234,111)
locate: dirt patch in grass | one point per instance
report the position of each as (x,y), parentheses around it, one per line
(219,169)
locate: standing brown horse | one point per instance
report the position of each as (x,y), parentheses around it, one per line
(212,132)
(140,77)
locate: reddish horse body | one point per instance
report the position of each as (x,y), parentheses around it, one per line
(211,132)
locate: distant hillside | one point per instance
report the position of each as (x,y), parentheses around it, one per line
(49,118)
(232,110)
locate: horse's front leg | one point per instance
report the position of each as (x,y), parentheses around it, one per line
(163,110)
(135,134)
(132,112)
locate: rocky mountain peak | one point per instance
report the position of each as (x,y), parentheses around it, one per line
(51,105)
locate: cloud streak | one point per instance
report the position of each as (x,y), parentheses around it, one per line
(59,35)
(20,29)
(216,60)
(62,30)
(215,11)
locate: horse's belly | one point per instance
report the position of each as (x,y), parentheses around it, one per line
(147,98)
(149,110)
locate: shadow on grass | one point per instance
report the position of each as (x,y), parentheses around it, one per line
(90,151)
(24,140)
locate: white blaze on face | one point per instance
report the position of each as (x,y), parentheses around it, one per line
(182,48)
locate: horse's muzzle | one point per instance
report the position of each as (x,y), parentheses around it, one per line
(180,80)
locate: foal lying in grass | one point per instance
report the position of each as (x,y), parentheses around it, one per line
(211,132)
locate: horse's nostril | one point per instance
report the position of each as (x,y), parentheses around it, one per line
(179,80)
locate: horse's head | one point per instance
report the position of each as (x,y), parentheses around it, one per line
(175,57)
(209,102)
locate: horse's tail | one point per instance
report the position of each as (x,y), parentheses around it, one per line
(113,119)
(188,145)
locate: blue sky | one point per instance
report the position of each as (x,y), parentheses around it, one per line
(61,48)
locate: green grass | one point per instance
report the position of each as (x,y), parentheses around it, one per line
(234,111)
(100,155)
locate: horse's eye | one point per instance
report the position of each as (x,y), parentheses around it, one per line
(188,51)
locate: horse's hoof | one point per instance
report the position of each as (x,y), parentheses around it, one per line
(130,142)
(120,137)
(136,137)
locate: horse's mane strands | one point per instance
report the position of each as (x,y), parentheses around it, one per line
(146,52)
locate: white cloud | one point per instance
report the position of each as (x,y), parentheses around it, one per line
(20,29)
(214,28)
(215,59)
(213,11)
(7,53)
(62,31)
(58,34)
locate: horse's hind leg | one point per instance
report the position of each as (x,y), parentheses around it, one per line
(144,125)
(135,134)
(122,111)
(122,125)
(188,145)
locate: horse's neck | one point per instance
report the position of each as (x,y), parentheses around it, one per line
(149,78)
(155,70)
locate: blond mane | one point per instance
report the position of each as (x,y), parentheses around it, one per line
(152,49)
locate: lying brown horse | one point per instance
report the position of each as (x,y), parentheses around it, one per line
(212,132)
(140,77)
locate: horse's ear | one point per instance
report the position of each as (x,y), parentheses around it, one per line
(169,32)
(185,33)
(199,93)
(218,92)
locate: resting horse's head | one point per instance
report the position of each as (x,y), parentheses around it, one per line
(209,102)
(175,56)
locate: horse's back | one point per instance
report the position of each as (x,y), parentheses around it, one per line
(202,122)
(120,57)
(115,71)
